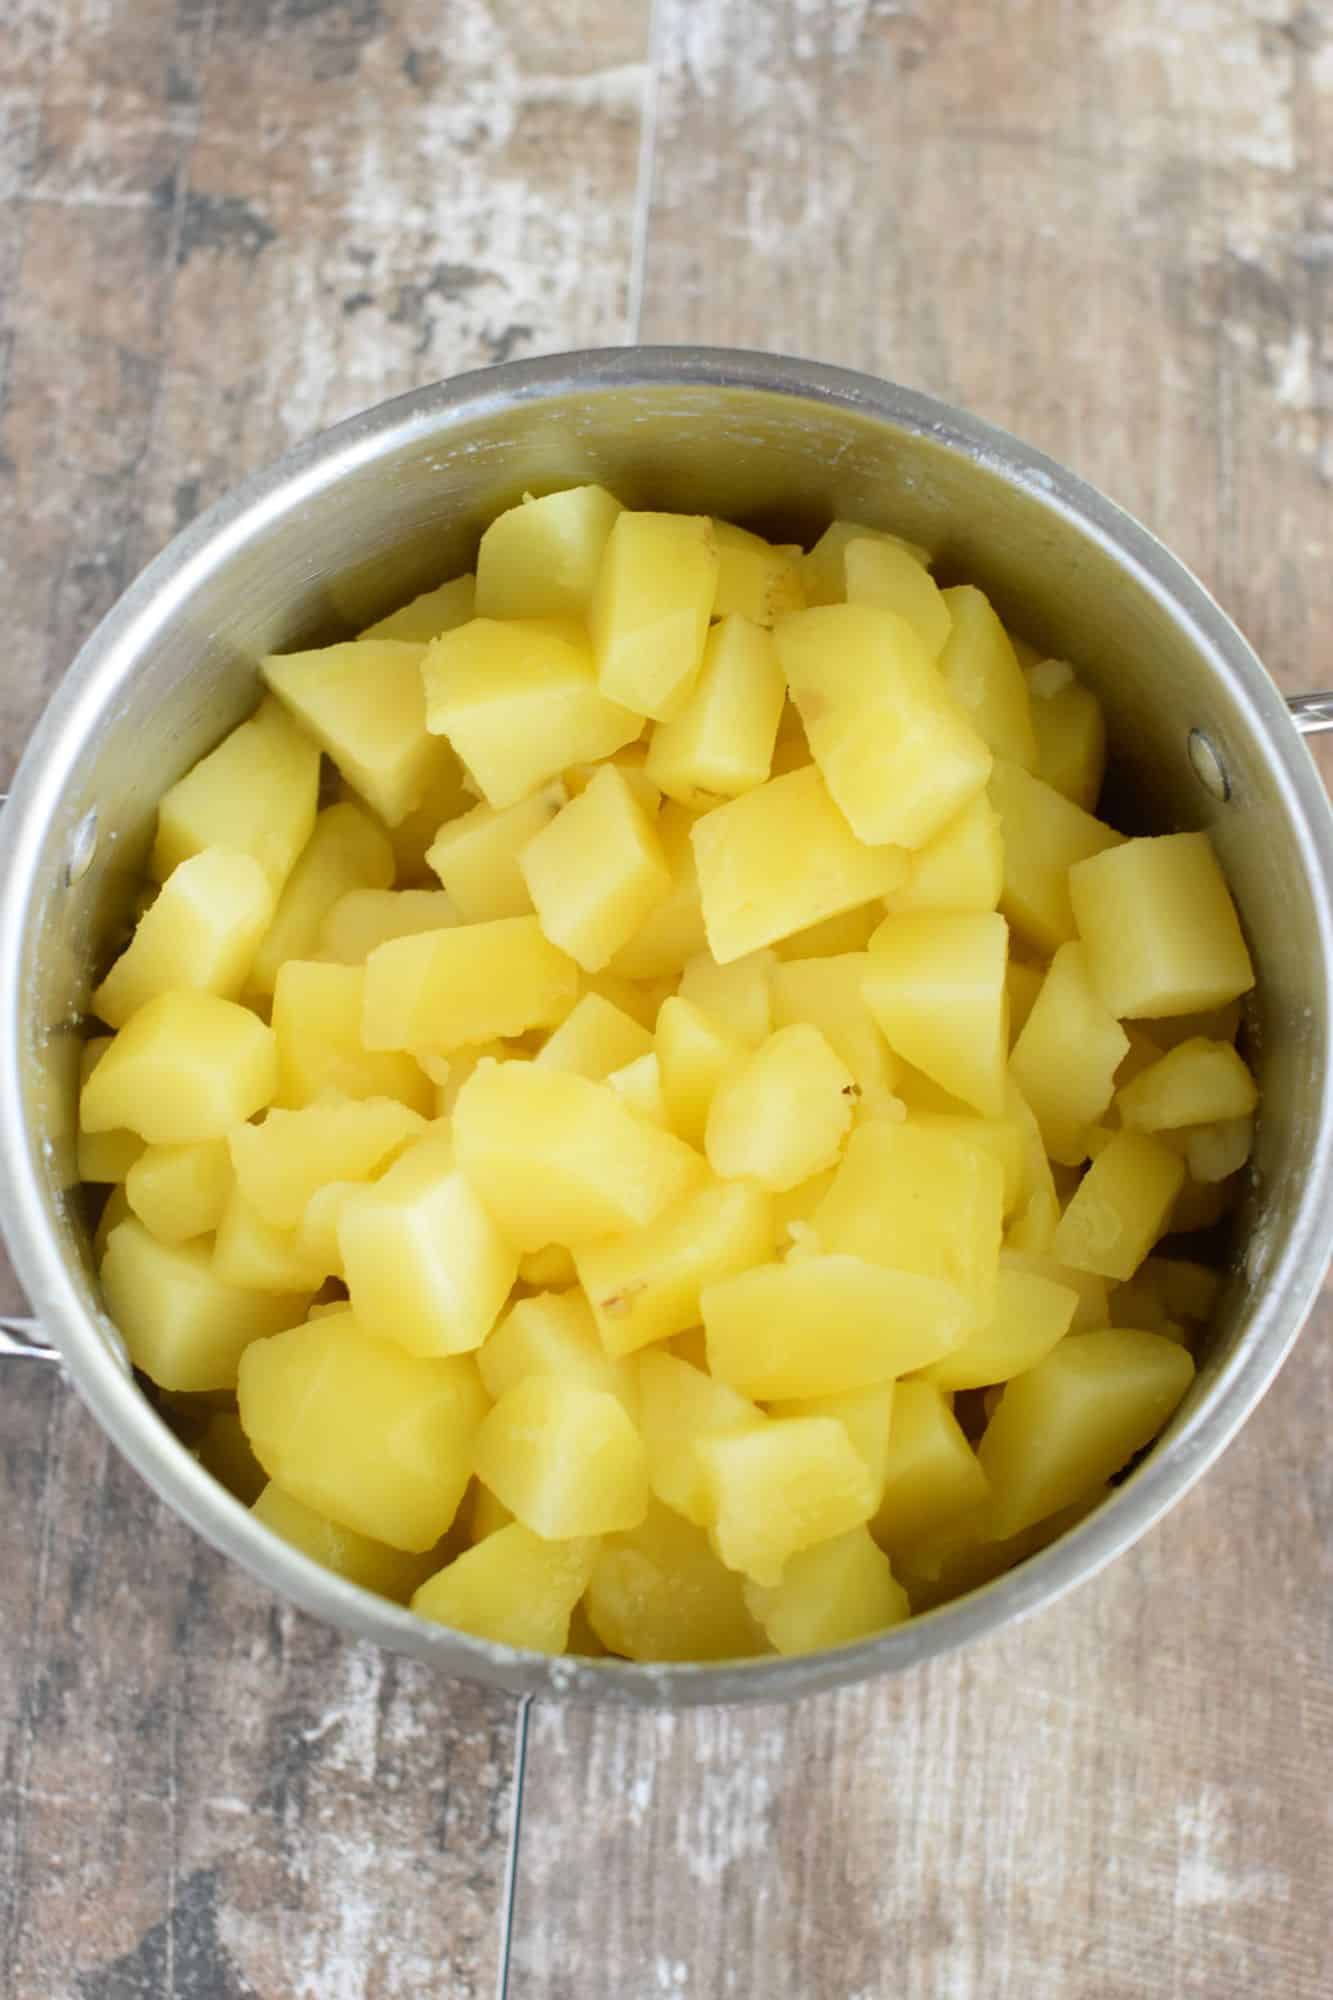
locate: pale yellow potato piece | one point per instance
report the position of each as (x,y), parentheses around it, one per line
(548,1269)
(980,668)
(1005,1137)
(1024,983)
(835,936)
(594,1039)
(564,1458)
(256,794)
(650,609)
(554,1333)
(1213,1152)
(103,1157)
(865,1414)
(179,1192)
(694,1052)
(317,1014)
(759,580)
(559,1159)
(1090,1290)
(782,1114)
(883,573)
(541,559)
(201,932)
(1031,1314)
(781,858)
(374,1438)
(1161,928)
(346,851)
(828,993)
(638,1085)
(658,1592)
(281,1161)
(898,755)
(647,1285)
(680,1407)
(476,856)
(115,1210)
(1079,1416)
(824,569)
(366,918)
(1045,836)
(962,868)
(1066,1059)
(259,1256)
(721,742)
(933,1475)
(1196,1083)
(936,986)
(737,996)
(513,1588)
(450,791)
(316,1236)
(374,1565)
(363,703)
(1121,1206)
(1070,729)
(597,871)
(475,983)
(181,1324)
(673,931)
(186,1066)
(1216,1024)
(781,1488)
(425,617)
(831,1595)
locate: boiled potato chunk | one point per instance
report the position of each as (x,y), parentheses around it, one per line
(865,1415)
(519,701)
(179,1192)
(721,742)
(897,754)
(1196,1083)
(596,1038)
(962,868)
(1160,927)
(374,1438)
(426,616)
(424,1263)
(186,1066)
(564,1458)
(595,873)
(1070,729)
(1024,983)
(883,573)
(1031,1314)
(936,987)
(781,1488)
(932,1476)
(830,1595)
(558,1159)
(647,1285)
(374,1565)
(823,570)
(1045,836)
(103,1157)
(541,559)
(363,703)
(346,851)
(680,1408)
(1066,1058)
(783,1113)
(1214,1151)
(366,918)
(638,1085)
(317,1013)
(201,932)
(444,989)
(673,931)
(255,794)
(694,1053)
(755,579)
(739,996)
(281,1161)
(821,1324)
(650,609)
(1090,1290)
(980,669)
(182,1325)
(476,856)
(658,1592)
(513,1588)
(1120,1207)
(553,1333)
(258,1256)
(781,858)
(1076,1418)
(828,993)
(1005,1137)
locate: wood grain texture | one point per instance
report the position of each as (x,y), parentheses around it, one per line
(1110,227)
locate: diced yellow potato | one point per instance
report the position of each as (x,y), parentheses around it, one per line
(1024,983)
(451,791)
(791,1483)
(1217,1024)
(793,1211)
(638,1085)
(317,1013)
(316,1236)
(181,1324)
(919,1201)
(1196,1083)
(821,1324)
(550,1269)
(281,1161)
(452,1072)
(865,1415)
(835,937)
(476,983)
(363,703)
(898,756)
(256,793)
(980,669)
(485,1514)
(201,932)
(1160,927)
(1188,1289)
(103,1157)
(541,558)
(1004,1137)
(783,1113)
(1070,729)
(596,871)
(828,994)
(631,762)
(256,1255)
(1031,1314)
(760,581)
(187,1066)
(962,868)
(476,857)
(933,1476)
(179,1192)
(1066,1058)
(650,609)
(559,1159)
(1090,1290)
(694,1052)
(359,1430)
(1121,1207)
(781,858)
(554,1333)
(1077,1418)
(1045,835)
(721,742)
(824,574)
(1034,1226)
(883,573)
(346,851)
(424,1263)
(426,616)
(834,1594)
(594,1039)
(519,701)
(959,1556)
(1140,1304)
(564,1458)
(647,1285)
(374,1565)
(680,1407)
(936,987)
(366,918)
(737,996)
(115,1210)
(659,1592)
(224,1450)
(673,931)
(513,1588)
(1213,1152)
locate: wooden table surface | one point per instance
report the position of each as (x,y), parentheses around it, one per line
(1106,225)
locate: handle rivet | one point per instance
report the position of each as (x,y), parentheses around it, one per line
(82,848)
(1207,765)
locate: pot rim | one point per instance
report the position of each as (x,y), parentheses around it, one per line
(86,1341)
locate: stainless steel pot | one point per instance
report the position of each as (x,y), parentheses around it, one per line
(388,503)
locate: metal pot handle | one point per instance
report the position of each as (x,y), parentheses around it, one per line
(23,1340)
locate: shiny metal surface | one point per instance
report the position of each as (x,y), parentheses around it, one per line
(390,502)
(1312,713)
(24,1340)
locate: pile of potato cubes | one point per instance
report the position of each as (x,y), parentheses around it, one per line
(641,1102)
